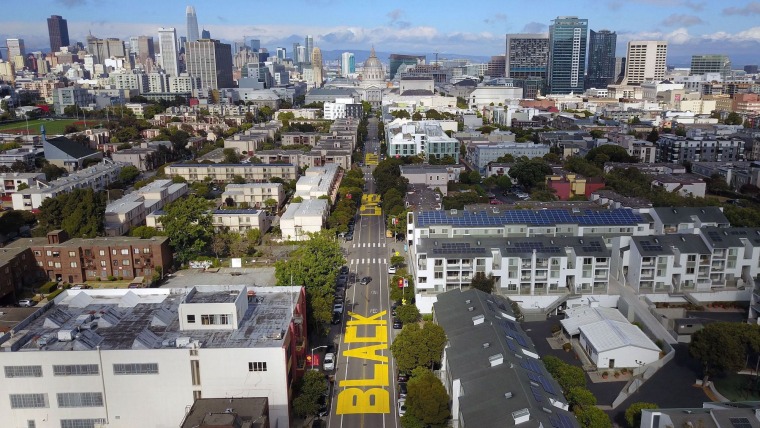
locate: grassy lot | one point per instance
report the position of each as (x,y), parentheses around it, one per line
(738,387)
(52,127)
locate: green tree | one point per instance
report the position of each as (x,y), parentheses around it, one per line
(482,282)
(579,396)
(128,174)
(52,172)
(592,417)
(397,260)
(608,153)
(566,375)
(22,186)
(716,184)
(187,223)
(145,232)
(231,156)
(633,413)
(81,213)
(310,388)
(426,399)
(408,314)
(418,346)
(724,346)
(734,118)
(653,136)
(530,172)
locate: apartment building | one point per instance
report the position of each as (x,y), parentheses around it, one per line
(17,269)
(226,172)
(144,159)
(12,180)
(254,195)
(246,144)
(302,218)
(703,148)
(130,211)
(92,357)
(26,156)
(96,177)
(480,155)
(426,138)
(240,221)
(686,219)
(435,177)
(319,181)
(300,138)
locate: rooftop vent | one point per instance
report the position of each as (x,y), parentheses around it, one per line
(521,416)
(507,395)
(496,360)
(470,309)
(486,345)
(468,301)
(478,319)
(453,212)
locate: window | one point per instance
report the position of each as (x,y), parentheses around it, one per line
(207,319)
(73,264)
(125,262)
(37,253)
(137,251)
(103,263)
(113,251)
(102,252)
(257,366)
(438,275)
(23,371)
(80,399)
(422,280)
(125,251)
(81,423)
(50,263)
(191,319)
(28,401)
(195,372)
(31,423)
(76,370)
(130,369)
(72,254)
(224,319)
(146,250)
(58,265)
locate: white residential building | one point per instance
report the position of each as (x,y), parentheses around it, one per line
(94,357)
(426,138)
(302,218)
(12,180)
(318,181)
(96,177)
(131,210)
(254,194)
(240,221)
(226,172)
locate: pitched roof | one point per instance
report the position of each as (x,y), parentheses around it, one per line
(70,147)
(607,335)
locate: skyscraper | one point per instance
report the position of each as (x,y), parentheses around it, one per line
(397,60)
(167,43)
(309,42)
(192,24)
(15,48)
(497,66)
(527,55)
(58,30)
(296,58)
(601,59)
(702,64)
(211,61)
(316,65)
(205,34)
(645,61)
(146,52)
(282,53)
(567,54)
(347,64)
(255,45)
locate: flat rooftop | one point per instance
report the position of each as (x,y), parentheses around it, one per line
(123,319)
(540,217)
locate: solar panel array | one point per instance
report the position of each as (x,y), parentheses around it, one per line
(543,381)
(740,422)
(531,365)
(715,236)
(593,247)
(537,394)
(650,246)
(620,216)
(458,248)
(561,420)
(528,247)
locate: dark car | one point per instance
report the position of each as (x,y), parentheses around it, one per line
(402,377)
(397,324)
(402,389)
(349,237)
(344,270)
(365,280)
(336,318)
(324,405)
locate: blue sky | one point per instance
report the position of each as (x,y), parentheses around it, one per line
(476,28)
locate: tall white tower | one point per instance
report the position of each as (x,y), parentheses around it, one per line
(167,42)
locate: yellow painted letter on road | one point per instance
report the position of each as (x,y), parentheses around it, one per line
(354,400)
(367,353)
(381,335)
(380,379)
(362,320)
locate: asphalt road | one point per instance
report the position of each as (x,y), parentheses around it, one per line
(364,393)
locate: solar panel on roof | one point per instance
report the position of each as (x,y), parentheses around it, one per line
(561,420)
(537,394)
(740,422)
(548,387)
(511,345)
(520,339)
(531,365)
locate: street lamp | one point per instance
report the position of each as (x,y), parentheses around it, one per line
(312,354)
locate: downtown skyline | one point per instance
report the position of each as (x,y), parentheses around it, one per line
(690,27)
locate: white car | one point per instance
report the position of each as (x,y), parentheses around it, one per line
(391,269)
(401,406)
(338,307)
(329,362)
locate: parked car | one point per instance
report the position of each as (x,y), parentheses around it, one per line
(344,270)
(329,362)
(391,270)
(365,280)
(336,318)
(338,307)
(401,406)
(26,303)
(397,324)
(324,405)
(402,389)
(349,237)
(402,377)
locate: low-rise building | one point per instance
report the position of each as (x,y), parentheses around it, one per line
(96,177)
(302,218)
(481,154)
(131,210)
(425,138)
(246,144)
(68,154)
(567,184)
(240,220)
(319,182)
(698,148)
(254,195)
(710,415)
(226,172)
(23,155)
(491,369)
(686,219)
(435,177)
(684,184)
(300,138)
(140,158)
(92,357)
(12,181)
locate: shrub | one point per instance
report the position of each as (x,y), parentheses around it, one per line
(48,287)
(556,328)
(111,278)
(605,374)
(567,346)
(55,293)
